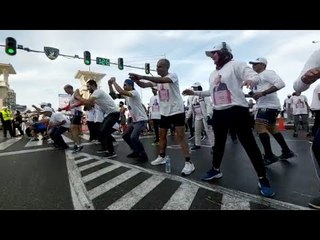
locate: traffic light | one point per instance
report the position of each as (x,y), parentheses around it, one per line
(87,57)
(147,68)
(11,46)
(120,63)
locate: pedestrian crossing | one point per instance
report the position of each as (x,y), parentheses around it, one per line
(106,184)
(28,143)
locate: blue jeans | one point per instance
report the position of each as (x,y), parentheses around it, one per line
(131,135)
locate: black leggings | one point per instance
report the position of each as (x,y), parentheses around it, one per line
(238,119)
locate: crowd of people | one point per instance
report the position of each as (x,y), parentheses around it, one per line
(213,114)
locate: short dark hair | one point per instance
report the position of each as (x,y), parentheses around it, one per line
(92,82)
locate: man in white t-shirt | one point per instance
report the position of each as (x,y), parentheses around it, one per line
(268,108)
(137,112)
(75,108)
(171,110)
(58,124)
(231,111)
(288,108)
(110,111)
(315,107)
(310,74)
(300,109)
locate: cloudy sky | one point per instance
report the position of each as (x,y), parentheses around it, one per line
(40,79)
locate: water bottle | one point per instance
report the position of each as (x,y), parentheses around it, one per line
(168,165)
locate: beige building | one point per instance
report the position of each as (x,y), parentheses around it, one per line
(7,95)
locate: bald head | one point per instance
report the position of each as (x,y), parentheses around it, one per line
(163,66)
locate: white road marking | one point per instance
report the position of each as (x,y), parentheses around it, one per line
(233,203)
(66,139)
(25,151)
(79,194)
(34,143)
(85,136)
(84,160)
(182,198)
(9,142)
(99,173)
(127,201)
(91,165)
(97,191)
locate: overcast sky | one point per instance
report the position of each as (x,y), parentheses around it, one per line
(40,79)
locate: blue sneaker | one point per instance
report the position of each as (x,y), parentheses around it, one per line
(211,174)
(265,188)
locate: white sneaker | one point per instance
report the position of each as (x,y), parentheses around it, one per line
(159,160)
(188,168)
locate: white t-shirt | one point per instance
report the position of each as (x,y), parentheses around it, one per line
(137,111)
(91,115)
(225,85)
(312,62)
(58,117)
(155,107)
(299,105)
(171,102)
(98,114)
(269,78)
(104,101)
(73,101)
(315,104)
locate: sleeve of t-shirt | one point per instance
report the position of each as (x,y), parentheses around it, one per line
(312,62)
(173,77)
(275,80)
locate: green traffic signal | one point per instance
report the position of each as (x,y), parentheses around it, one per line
(87,57)
(11,46)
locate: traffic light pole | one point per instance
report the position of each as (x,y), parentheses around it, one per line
(20,47)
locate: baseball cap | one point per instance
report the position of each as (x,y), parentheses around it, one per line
(218,47)
(129,82)
(196,84)
(47,109)
(259,60)
(43,104)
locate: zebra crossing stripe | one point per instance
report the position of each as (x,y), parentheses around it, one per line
(8,143)
(66,139)
(234,203)
(85,136)
(85,167)
(182,198)
(34,143)
(84,160)
(97,191)
(100,172)
(135,195)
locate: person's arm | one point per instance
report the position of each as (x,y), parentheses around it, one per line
(149,78)
(309,74)
(112,93)
(37,109)
(119,89)
(90,100)
(258,95)
(144,84)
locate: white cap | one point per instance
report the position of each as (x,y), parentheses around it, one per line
(218,47)
(47,109)
(260,60)
(43,104)
(196,84)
